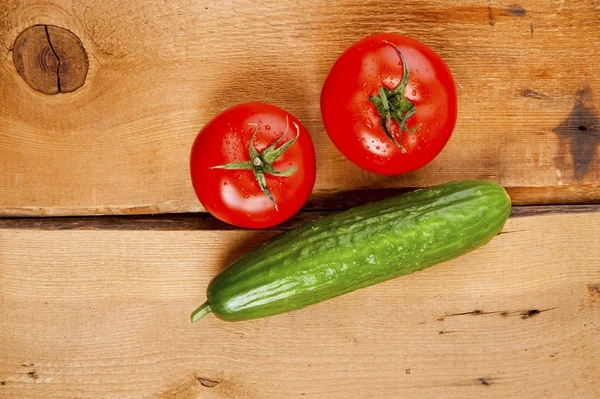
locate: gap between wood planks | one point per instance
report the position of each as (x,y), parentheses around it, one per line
(204,221)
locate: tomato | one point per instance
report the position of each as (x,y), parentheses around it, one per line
(381,118)
(253,165)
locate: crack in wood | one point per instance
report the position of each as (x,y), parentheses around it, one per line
(56,56)
(50,59)
(525,314)
(531,29)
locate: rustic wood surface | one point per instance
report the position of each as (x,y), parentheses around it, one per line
(529,93)
(103,313)
(99,104)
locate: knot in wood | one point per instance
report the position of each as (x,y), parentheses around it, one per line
(51,59)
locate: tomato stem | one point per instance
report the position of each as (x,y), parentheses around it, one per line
(262,163)
(393,105)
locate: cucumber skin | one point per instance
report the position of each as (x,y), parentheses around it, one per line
(360,247)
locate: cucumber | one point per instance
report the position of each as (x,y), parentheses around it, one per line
(357,248)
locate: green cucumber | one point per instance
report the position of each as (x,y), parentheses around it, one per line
(357,248)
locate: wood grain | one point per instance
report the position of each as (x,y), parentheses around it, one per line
(104,314)
(51,60)
(158,71)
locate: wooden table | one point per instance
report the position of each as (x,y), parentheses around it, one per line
(100,124)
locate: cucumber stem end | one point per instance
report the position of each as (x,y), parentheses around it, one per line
(200,312)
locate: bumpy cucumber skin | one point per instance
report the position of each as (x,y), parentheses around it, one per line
(358,248)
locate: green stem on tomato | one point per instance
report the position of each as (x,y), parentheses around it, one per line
(393,105)
(262,163)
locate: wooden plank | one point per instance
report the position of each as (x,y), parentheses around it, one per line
(158,71)
(104,314)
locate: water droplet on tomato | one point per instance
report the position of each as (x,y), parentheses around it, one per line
(246,196)
(267,127)
(414,93)
(225,184)
(227,142)
(377,147)
(368,123)
(387,146)
(368,147)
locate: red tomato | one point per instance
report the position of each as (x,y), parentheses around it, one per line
(253,182)
(367,92)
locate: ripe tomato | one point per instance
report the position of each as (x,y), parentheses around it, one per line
(253,165)
(382,118)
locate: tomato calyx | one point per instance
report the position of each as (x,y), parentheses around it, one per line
(391,104)
(261,163)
